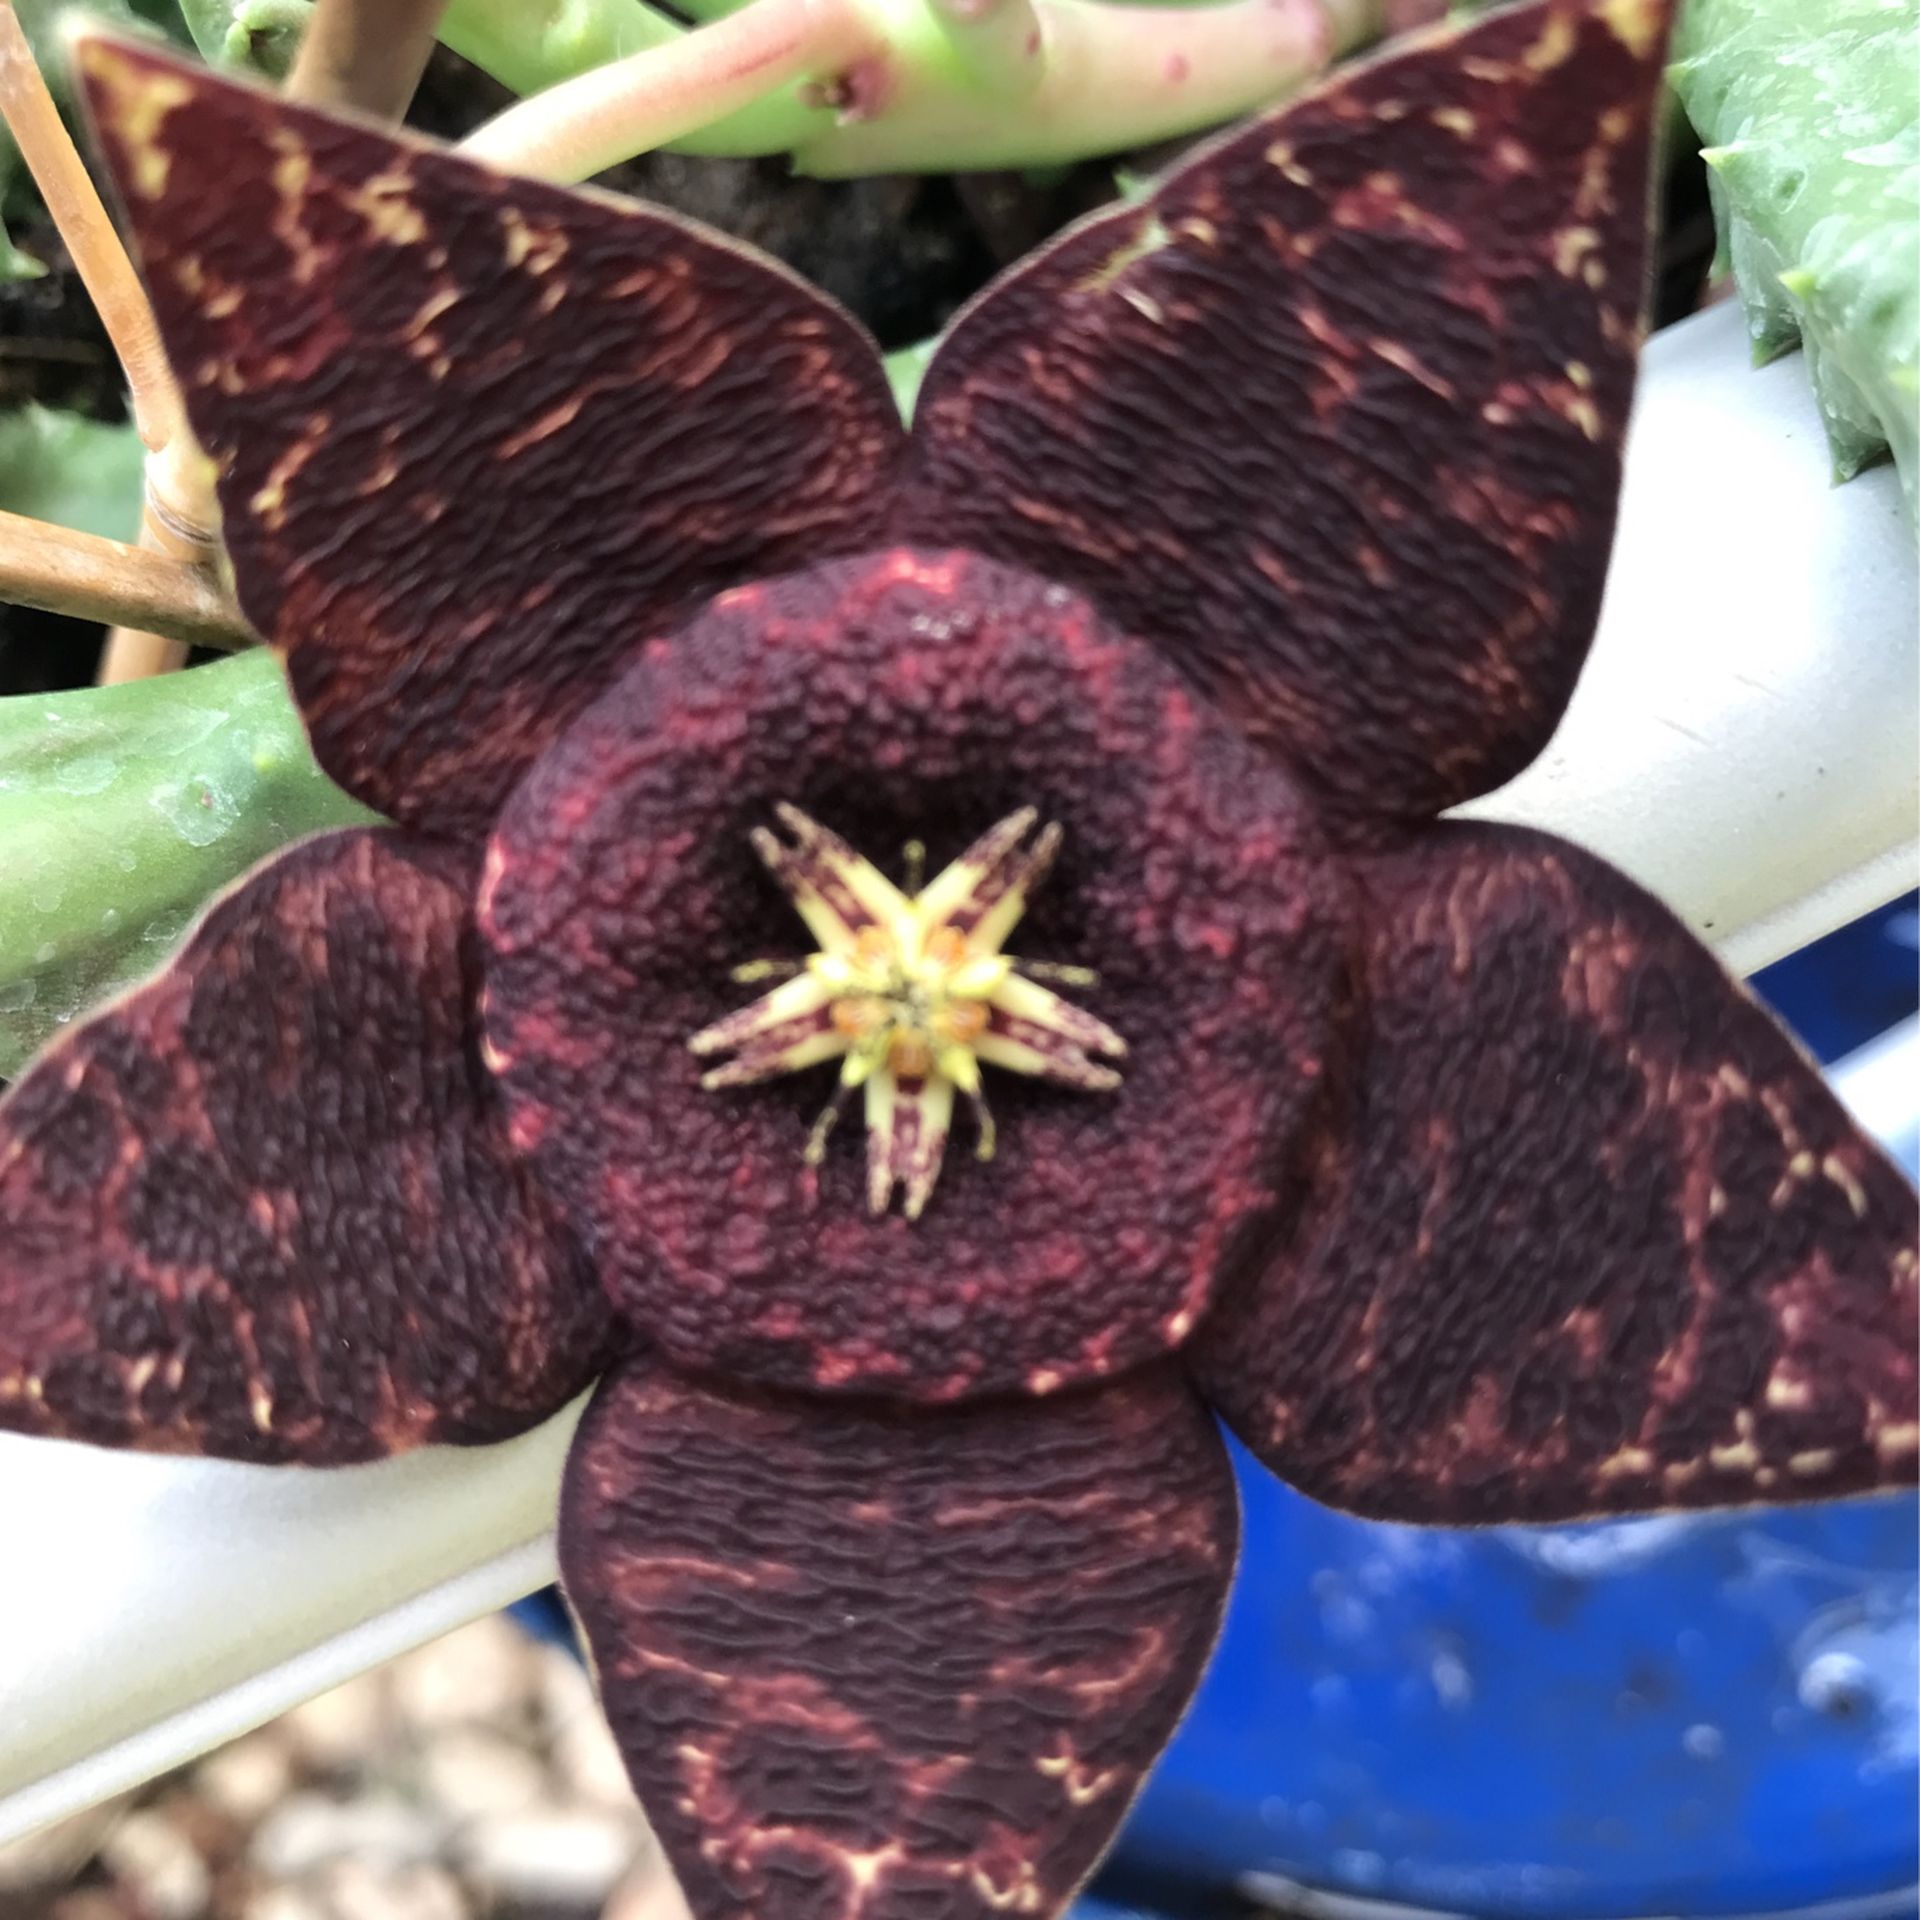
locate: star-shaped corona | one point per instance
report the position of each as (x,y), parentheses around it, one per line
(911,991)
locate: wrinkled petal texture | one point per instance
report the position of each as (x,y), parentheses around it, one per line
(479,437)
(1335,414)
(899,696)
(878,1665)
(263,1207)
(1594,1236)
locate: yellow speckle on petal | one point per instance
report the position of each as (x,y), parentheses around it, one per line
(1555,45)
(135,105)
(1635,24)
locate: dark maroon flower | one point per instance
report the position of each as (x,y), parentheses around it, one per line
(1064,779)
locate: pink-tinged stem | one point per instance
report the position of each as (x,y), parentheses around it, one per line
(1111,77)
(582,126)
(999,44)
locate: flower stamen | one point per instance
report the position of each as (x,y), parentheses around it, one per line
(910,991)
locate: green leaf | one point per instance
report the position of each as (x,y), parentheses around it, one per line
(906,368)
(123,810)
(259,36)
(15,265)
(530,45)
(1810,116)
(73,471)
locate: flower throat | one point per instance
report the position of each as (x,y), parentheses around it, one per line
(910,990)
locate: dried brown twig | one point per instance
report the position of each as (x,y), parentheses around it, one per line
(178,520)
(165,594)
(96,579)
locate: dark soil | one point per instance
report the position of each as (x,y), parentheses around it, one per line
(53,348)
(900,251)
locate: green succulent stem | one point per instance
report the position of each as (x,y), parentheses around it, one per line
(997,44)
(122,811)
(261,34)
(677,87)
(530,45)
(364,57)
(906,369)
(1109,77)
(867,86)
(1811,122)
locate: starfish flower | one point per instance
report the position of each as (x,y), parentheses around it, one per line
(1239,534)
(912,994)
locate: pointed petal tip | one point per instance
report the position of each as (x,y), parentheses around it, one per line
(1297,614)
(130,91)
(97,54)
(1048,1579)
(1641,26)
(343,239)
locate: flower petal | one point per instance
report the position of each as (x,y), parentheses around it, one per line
(1595,1238)
(908,697)
(479,436)
(880,1665)
(263,1208)
(1334,415)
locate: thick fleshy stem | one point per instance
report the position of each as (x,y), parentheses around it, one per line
(261,34)
(1108,77)
(178,519)
(999,44)
(929,84)
(587,124)
(366,57)
(530,45)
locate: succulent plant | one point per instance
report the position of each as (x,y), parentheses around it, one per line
(1240,532)
(122,809)
(1812,131)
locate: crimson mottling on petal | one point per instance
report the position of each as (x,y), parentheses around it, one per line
(878,1664)
(264,1206)
(1591,1235)
(478,437)
(1334,415)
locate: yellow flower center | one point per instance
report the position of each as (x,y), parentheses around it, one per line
(910,990)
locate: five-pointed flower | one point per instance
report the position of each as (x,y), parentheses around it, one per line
(1239,533)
